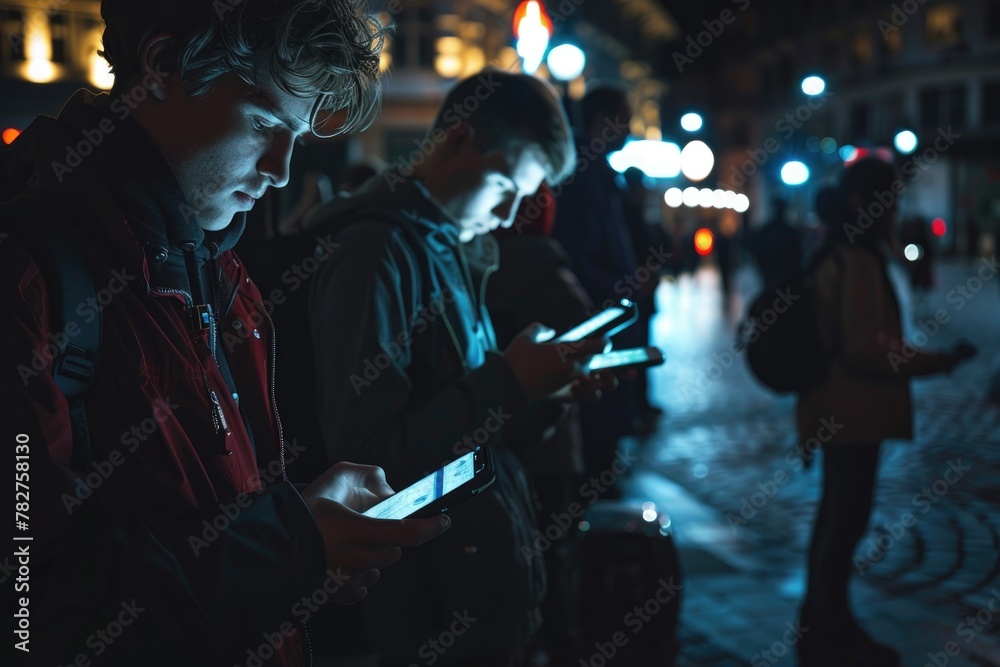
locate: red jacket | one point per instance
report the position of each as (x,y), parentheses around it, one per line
(183,522)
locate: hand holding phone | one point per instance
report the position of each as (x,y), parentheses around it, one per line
(446,487)
(355,545)
(605,324)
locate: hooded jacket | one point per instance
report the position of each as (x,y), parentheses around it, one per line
(179,529)
(409,377)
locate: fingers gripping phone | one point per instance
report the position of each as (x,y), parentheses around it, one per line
(446,487)
(607,323)
(637,357)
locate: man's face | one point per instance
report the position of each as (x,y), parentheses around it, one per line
(492,187)
(227,147)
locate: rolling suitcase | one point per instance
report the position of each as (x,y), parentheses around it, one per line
(630,590)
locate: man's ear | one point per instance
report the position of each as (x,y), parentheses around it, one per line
(158,61)
(460,137)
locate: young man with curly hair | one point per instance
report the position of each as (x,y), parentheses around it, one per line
(164,528)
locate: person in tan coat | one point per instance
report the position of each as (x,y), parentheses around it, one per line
(864,400)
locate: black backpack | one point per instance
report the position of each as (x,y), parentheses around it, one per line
(781,335)
(33,218)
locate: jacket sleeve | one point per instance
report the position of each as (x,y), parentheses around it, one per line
(365,311)
(210,581)
(583,235)
(866,343)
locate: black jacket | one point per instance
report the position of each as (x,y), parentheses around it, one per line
(409,370)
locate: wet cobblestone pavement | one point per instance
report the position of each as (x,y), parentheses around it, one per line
(742,514)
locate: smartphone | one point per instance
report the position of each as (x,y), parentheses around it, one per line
(637,357)
(608,322)
(454,483)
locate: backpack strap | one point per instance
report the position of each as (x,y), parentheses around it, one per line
(69,283)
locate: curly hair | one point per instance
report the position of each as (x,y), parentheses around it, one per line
(324,48)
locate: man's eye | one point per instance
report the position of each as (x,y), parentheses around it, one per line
(260,126)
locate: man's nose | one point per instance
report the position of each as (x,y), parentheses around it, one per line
(275,164)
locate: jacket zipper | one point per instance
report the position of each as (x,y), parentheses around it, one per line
(218,411)
(274,401)
(218,416)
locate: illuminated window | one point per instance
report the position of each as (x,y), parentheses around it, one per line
(414,44)
(944,25)
(861,47)
(893,42)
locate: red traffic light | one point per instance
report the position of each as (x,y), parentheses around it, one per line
(704,241)
(939,227)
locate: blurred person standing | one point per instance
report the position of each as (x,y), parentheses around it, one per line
(646,240)
(777,247)
(864,400)
(591,225)
(535,284)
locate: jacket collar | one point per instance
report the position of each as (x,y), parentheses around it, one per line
(125,176)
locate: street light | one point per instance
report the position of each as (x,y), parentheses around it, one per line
(566,62)
(691,122)
(697,160)
(813,85)
(533,28)
(905,142)
(794,173)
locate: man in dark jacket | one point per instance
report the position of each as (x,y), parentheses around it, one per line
(162,529)
(591,225)
(409,371)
